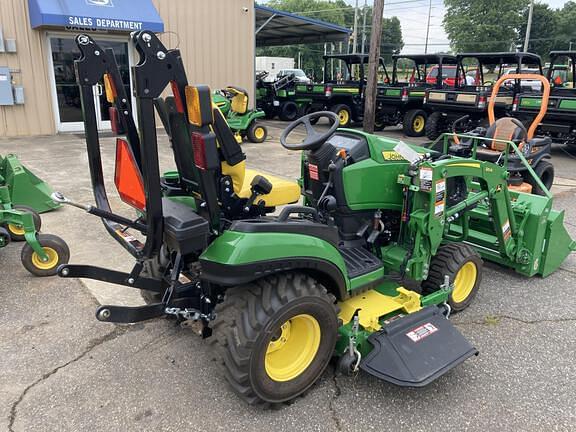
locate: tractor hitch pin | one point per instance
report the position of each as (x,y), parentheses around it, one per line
(61,199)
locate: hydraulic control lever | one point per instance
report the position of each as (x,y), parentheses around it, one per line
(258,186)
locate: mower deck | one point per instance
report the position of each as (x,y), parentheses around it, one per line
(417,349)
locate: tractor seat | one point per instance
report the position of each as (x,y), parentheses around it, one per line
(239,102)
(502,130)
(283,191)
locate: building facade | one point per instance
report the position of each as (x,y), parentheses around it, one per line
(38,92)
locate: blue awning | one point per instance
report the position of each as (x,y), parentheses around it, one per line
(117,15)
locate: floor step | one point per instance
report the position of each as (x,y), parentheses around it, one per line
(359,261)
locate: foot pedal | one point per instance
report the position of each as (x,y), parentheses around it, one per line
(414,350)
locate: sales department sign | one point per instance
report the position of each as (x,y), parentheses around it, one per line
(103,23)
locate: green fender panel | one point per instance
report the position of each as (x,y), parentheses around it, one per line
(236,258)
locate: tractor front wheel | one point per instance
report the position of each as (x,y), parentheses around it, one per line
(462,264)
(17,232)
(256,133)
(274,337)
(55,248)
(414,123)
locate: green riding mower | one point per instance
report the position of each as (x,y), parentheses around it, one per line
(233,102)
(389,240)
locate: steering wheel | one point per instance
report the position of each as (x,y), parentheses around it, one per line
(313,139)
(522,128)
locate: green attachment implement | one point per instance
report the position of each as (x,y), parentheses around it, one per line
(24,187)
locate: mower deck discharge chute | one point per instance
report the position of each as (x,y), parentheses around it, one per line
(279,296)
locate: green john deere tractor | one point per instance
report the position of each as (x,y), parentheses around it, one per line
(233,102)
(22,197)
(280,296)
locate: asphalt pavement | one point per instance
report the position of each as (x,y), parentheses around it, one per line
(61,370)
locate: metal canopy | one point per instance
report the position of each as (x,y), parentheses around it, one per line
(275,27)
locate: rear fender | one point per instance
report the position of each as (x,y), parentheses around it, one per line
(237,258)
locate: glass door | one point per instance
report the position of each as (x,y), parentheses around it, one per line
(69,114)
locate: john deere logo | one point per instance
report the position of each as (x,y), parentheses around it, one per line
(100,3)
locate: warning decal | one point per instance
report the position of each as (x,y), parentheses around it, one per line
(313,171)
(422,332)
(440,198)
(426,179)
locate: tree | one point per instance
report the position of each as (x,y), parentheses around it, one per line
(566,30)
(544,32)
(483,25)
(336,12)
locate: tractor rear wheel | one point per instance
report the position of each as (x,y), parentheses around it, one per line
(434,125)
(274,337)
(414,123)
(344,114)
(288,111)
(462,264)
(256,133)
(16,231)
(545,171)
(55,248)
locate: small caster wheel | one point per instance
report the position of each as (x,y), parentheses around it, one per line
(56,249)
(347,364)
(17,233)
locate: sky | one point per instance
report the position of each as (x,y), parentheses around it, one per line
(413,15)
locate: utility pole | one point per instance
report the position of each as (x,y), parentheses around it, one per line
(364,27)
(373,60)
(529,25)
(428,27)
(355,31)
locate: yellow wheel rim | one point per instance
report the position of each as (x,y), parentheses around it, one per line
(293,348)
(464,282)
(418,123)
(259,133)
(16,229)
(344,117)
(49,263)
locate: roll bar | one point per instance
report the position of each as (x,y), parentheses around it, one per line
(543,104)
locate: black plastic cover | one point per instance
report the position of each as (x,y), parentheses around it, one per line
(184,230)
(415,350)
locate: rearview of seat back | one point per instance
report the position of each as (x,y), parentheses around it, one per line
(239,102)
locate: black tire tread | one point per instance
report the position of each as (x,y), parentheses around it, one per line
(433,125)
(238,320)
(448,261)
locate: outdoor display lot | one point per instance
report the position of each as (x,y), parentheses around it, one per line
(60,369)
